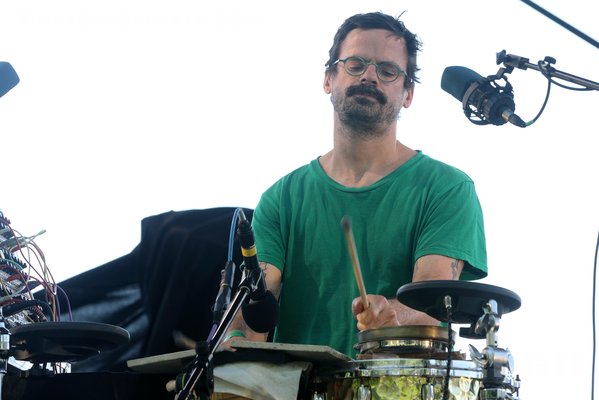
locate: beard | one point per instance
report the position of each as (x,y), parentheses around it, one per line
(365,110)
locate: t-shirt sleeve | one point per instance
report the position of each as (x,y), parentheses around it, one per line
(454,228)
(268,232)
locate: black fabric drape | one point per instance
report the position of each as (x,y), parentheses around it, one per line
(168,282)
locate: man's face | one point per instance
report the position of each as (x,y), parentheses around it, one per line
(366,101)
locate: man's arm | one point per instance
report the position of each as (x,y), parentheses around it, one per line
(390,312)
(273,283)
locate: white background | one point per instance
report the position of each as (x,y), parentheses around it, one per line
(128,109)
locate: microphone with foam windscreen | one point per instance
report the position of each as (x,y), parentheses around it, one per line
(482,98)
(8,77)
(261,313)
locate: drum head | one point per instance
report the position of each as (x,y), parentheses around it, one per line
(409,339)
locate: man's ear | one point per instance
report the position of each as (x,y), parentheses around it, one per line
(408,96)
(327,82)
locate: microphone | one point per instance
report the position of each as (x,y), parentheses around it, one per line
(261,314)
(483,97)
(8,77)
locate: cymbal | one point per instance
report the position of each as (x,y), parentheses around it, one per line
(467,299)
(64,341)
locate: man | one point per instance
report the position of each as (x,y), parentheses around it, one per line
(413,218)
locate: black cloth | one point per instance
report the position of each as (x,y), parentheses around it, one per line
(168,282)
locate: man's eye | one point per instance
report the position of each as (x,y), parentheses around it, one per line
(388,70)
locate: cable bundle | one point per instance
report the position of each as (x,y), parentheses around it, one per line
(23,270)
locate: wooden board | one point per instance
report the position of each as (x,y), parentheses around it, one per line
(297,352)
(171,363)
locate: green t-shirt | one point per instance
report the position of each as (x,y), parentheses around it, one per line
(423,207)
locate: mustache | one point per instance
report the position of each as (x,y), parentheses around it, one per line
(368,90)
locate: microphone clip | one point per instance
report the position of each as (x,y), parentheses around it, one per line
(485,98)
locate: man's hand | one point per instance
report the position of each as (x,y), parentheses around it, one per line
(387,312)
(380,313)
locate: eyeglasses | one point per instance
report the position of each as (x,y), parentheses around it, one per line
(386,71)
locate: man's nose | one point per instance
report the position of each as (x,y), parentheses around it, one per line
(370,74)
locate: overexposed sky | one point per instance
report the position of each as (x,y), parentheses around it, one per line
(130,109)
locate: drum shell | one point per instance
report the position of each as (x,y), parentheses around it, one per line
(401,379)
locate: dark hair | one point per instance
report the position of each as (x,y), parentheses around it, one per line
(378,20)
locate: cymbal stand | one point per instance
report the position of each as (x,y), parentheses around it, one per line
(497,363)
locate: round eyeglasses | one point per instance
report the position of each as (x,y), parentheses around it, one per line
(387,71)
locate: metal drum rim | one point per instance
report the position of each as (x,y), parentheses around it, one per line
(377,368)
(403,346)
(425,332)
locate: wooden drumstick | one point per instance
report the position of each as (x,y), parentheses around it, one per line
(353,253)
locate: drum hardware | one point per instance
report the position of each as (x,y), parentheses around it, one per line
(448,309)
(497,363)
(403,347)
(364,393)
(427,392)
(463,302)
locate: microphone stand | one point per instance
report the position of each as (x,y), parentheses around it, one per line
(202,364)
(512,61)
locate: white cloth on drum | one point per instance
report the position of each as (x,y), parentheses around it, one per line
(260,381)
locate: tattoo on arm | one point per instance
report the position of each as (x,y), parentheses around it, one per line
(454,269)
(454,266)
(266,268)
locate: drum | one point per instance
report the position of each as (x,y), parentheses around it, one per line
(396,379)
